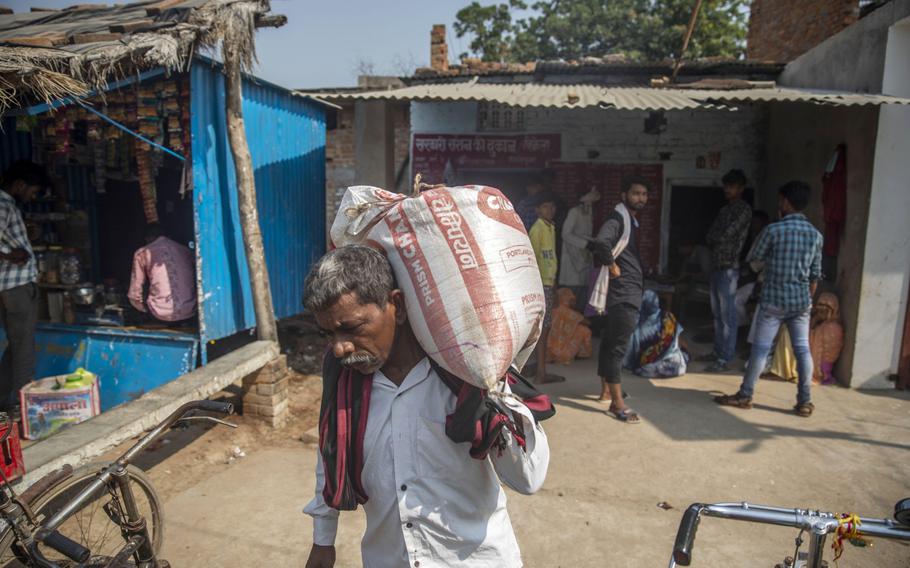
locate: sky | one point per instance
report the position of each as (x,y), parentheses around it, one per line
(327,42)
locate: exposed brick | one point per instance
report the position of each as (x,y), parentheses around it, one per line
(271,388)
(254,409)
(270,400)
(782,30)
(340,152)
(274,371)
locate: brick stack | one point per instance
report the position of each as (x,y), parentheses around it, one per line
(439,50)
(782,30)
(266,393)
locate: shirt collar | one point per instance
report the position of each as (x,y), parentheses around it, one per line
(414,377)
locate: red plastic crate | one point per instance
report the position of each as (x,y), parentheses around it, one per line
(11,454)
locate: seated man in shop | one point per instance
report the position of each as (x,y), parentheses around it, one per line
(384,442)
(167,269)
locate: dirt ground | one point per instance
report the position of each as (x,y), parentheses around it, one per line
(599,506)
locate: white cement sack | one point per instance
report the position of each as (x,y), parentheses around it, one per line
(465,264)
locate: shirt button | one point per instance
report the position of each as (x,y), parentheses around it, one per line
(404,487)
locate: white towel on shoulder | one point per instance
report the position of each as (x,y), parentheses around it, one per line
(598,299)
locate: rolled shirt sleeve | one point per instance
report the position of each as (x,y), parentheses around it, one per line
(325,518)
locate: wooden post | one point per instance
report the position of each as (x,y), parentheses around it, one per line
(246,192)
(692,19)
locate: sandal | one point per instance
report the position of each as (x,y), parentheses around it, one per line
(804,410)
(734,400)
(626,415)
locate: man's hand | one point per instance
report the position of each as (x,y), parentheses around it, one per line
(17,256)
(615,272)
(321,557)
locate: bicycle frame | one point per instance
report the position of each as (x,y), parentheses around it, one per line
(817,524)
(134,526)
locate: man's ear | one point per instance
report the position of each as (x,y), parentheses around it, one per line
(396,297)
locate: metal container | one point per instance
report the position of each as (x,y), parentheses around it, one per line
(83,295)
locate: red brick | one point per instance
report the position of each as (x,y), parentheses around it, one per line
(782,30)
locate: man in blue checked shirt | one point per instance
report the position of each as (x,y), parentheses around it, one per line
(791,251)
(21,182)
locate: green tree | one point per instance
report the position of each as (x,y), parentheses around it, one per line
(644,30)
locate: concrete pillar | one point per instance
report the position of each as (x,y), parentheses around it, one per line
(886,268)
(265,393)
(374,144)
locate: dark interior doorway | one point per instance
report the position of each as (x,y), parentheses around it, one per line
(692,210)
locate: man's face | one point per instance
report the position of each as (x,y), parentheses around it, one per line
(25,192)
(636,198)
(547,211)
(733,191)
(362,335)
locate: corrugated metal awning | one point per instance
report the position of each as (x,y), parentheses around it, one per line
(546,95)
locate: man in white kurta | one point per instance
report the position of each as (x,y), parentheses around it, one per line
(430,503)
(575,263)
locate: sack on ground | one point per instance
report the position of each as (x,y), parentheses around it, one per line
(465,264)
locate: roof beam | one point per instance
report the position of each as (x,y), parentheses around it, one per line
(93,37)
(271,21)
(127,27)
(159,7)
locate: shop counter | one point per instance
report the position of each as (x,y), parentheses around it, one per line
(128,361)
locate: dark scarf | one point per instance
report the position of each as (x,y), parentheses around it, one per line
(346,405)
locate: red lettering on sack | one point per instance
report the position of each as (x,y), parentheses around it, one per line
(438,324)
(497,206)
(476,275)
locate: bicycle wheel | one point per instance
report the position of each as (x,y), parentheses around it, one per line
(90,526)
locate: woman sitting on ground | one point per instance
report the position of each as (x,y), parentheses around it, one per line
(655,350)
(570,334)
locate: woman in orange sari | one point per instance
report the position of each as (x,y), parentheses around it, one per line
(570,336)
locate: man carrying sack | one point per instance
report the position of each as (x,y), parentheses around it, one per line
(618,290)
(421,450)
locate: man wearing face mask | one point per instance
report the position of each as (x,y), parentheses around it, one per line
(21,183)
(389,432)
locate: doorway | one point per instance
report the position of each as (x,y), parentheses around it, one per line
(692,210)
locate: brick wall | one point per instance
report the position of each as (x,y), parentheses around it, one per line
(340,155)
(782,30)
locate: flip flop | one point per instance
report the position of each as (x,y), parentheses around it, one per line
(804,410)
(626,415)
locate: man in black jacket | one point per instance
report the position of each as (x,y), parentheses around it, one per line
(625,293)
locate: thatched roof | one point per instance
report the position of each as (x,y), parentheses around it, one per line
(47,55)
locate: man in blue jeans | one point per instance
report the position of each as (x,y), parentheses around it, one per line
(791,251)
(726,238)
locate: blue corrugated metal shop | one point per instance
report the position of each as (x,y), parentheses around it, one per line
(99,202)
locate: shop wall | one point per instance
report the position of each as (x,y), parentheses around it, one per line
(733,139)
(801,140)
(286,135)
(340,153)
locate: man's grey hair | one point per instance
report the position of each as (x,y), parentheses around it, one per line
(352,268)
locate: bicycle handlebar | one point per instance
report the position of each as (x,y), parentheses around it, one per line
(813,521)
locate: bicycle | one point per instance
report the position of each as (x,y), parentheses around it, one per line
(817,523)
(57,522)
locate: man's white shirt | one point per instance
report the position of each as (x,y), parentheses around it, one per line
(430,503)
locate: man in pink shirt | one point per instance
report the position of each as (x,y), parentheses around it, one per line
(168,269)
